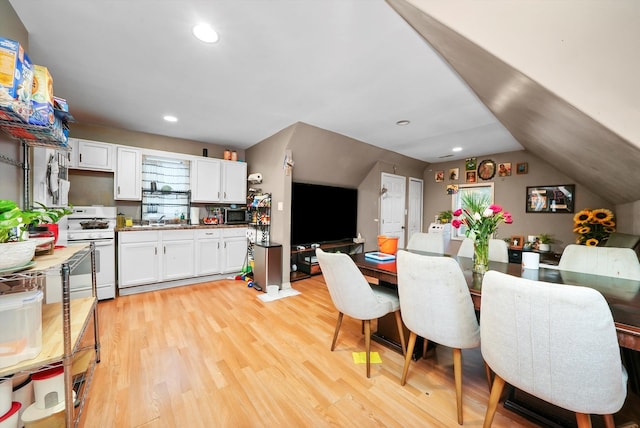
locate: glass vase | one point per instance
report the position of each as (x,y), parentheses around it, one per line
(481,255)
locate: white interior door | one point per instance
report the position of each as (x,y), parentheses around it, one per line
(414,217)
(392,207)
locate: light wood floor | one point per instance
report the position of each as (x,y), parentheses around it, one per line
(214,355)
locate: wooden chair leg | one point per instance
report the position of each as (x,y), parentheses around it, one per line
(457,375)
(401,332)
(583,420)
(608,421)
(494,397)
(487,371)
(425,344)
(367,344)
(407,357)
(335,334)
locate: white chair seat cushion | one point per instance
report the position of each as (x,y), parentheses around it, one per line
(386,295)
(535,339)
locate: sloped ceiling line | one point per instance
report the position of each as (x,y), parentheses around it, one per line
(546,125)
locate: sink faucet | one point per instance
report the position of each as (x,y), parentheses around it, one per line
(160,220)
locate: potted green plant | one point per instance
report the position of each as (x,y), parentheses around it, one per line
(544,242)
(47,217)
(445,216)
(15,251)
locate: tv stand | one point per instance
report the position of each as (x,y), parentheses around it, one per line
(306,261)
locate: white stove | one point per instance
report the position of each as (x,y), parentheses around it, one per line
(94,223)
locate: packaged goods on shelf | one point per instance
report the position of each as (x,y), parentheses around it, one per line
(16,78)
(42,97)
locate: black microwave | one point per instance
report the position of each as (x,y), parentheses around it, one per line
(235,215)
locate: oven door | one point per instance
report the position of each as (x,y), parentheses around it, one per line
(80,278)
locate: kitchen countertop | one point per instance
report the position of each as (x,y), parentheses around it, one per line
(170,226)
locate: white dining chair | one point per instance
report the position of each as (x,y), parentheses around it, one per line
(428,242)
(354,296)
(605,261)
(498,250)
(435,304)
(556,342)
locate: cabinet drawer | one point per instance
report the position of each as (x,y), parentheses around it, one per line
(141,236)
(230,232)
(176,235)
(207,233)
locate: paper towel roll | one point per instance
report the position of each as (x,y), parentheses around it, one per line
(530,260)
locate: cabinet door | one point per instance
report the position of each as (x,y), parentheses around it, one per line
(94,155)
(128,174)
(138,263)
(234,252)
(208,251)
(234,181)
(205,180)
(178,259)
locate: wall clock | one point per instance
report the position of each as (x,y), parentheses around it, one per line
(487,169)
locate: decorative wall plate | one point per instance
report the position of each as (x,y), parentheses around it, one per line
(487,169)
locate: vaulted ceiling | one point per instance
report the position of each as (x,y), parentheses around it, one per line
(550,126)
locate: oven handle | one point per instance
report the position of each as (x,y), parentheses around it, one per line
(98,242)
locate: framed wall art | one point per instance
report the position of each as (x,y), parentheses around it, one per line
(551,199)
(439,176)
(504,169)
(486,169)
(454,174)
(522,168)
(470,164)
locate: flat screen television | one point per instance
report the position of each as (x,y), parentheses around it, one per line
(323,213)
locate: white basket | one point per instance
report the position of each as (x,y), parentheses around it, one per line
(15,254)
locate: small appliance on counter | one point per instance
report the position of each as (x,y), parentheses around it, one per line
(194,215)
(235,216)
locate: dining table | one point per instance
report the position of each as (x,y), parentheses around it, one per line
(622,296)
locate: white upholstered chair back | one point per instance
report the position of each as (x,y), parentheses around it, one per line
(435,301)
(498,250)
(354,296)
(557,342)
(350,292)
(429,242)
(606,261)
(435,304)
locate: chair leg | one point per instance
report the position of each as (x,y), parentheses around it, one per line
(494,397)
(335,334)
(425,345)
(407,357)
(401,332)
(457,375)
(367,344)
(583,420)
(608,421)
(487,371)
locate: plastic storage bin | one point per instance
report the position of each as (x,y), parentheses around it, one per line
(21,338)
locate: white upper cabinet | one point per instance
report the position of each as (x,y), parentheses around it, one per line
(91,155)
(234,182)
(127,183)
(206,180)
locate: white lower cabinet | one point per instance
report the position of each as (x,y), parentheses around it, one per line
(208,250)
(234,248)
(157,256)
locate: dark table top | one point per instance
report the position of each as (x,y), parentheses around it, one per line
(622,295)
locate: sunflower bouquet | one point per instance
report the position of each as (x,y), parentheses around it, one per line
(593,226)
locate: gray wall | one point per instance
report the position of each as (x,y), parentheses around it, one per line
(510,192)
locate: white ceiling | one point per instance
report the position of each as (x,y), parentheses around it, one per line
(354,67)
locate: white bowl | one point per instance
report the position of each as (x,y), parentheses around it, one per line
(14,254)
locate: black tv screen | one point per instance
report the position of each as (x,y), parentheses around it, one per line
(322,213)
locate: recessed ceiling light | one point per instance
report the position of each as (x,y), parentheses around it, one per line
(403,122)
(205,33)
(169,118)
(456,149)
